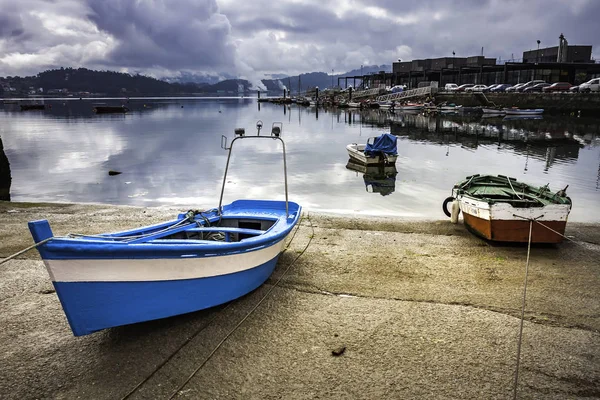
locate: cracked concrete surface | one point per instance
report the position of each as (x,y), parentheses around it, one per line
(424,309)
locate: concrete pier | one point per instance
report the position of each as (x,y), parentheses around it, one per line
(422,309)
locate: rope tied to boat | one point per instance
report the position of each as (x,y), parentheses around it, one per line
(189,217)
(520,340)
(25,250)
(550,229)
(513,189)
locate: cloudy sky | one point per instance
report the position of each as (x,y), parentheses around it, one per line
(254,38)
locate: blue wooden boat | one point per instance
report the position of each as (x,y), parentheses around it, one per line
(198,260)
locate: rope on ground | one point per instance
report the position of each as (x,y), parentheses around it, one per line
(166,360)
(520,340)
(246,316)
(196,333)
(33,246)
(522,314)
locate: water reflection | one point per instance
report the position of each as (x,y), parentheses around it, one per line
(377,178)
(169,153)
(5,178)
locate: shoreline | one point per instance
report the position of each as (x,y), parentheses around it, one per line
(423,308)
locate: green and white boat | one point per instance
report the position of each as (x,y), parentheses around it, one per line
(500,208)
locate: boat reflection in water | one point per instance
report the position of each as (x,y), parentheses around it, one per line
(5,178)
(379,178)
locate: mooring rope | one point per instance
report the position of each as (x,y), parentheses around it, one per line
(513,189)
(246,316)
(33,246)
(570,239)
(522,313)
(531,221)
(197,332)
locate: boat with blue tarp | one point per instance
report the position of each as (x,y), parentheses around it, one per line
(198,260)
(378,150)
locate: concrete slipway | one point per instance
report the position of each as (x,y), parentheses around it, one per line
(423,309)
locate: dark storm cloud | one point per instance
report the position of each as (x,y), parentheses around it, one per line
(249,38)
(10,25)
(172,35)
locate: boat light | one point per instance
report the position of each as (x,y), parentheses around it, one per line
(239,131)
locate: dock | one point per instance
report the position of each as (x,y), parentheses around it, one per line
(358,308)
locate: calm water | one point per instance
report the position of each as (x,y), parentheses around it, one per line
(169,153)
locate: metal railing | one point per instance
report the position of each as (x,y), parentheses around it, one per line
(407,94)
(365,93)
(240,133)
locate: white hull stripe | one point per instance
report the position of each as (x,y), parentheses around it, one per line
(158,269)
(504,211)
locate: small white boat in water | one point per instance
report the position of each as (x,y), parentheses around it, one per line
(352,104)
(523,111)
(386,105)
(450,107)
(410,107)
(378,150)
(495,111)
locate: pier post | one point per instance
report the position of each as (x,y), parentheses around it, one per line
(317,96)
(350,94)
(259,94)
(284,93)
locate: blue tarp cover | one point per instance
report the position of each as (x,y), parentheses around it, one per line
(386,143)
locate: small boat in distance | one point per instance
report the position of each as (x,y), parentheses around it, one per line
(386,105)
(409,107)
(354,104)
(523,111)
(449,107)
(198,260)
(378,150)
(110,109)
(500,208)
(522,117)
(494,111)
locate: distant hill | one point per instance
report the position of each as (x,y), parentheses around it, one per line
(81,80)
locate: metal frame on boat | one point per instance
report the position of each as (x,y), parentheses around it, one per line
(198,260)
(500,208)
